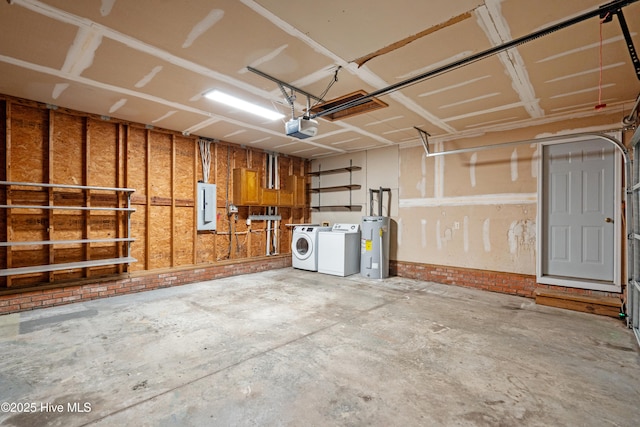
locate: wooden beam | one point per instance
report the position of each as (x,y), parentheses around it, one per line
(48,147)
(126,184)
(8,178)
(173,201)
(400,43)
(215,181)
(120,166)
(147,240)
(86,178)
(195,203)
(594,304)
(8,141)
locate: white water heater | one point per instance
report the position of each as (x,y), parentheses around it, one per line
(374,250)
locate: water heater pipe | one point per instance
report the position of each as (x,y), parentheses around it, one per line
(380,198)
(381,252)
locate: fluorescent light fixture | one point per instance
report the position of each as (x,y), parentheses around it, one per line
(248,107)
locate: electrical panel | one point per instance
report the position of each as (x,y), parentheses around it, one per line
(206,206)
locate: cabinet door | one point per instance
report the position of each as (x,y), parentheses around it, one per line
(285,198)
(297,185)
(268,197)
(245,187)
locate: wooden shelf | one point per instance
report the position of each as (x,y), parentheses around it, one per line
(338,170)
(68,208)
(75,187)
(65,266)
(66,242)
(337,207)
(336,188)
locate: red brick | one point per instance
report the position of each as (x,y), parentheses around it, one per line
(30,305)
(21,300)
(31,293)
(67,294)
(63,294)
(42,297)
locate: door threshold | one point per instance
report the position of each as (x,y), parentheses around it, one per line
(594,304)
(580,283)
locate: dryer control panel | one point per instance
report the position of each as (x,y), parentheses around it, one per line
(346,228)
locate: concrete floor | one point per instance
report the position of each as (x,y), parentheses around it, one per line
(291,347)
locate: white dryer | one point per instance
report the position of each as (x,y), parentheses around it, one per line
(339,250)
(304,246)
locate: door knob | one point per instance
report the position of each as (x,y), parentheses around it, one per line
(608,219)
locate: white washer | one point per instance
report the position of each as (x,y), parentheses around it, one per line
(339,250)
(304,246)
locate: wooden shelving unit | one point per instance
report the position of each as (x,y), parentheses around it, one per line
(17,209)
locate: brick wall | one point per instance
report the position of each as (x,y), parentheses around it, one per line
(495,281)
(134,282)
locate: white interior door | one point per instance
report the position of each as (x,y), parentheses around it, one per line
(578,215)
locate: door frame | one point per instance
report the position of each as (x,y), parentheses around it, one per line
(616,284)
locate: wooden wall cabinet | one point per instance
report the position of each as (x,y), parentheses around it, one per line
(297,185)
(246,187)
(248,192)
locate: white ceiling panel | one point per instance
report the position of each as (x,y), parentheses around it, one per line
(150,62)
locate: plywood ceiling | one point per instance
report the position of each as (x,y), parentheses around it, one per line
(150,61)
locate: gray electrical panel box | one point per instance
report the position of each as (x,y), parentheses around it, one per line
(206,206)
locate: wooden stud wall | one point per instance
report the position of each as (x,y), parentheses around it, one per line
(29,140)
(120,183)
(137,178)
(102,170)
(67,147)
(184,227)
(4,168)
